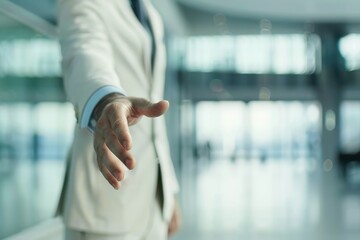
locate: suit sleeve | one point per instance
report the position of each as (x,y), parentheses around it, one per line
(87,55)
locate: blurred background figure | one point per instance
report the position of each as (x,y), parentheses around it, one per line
(264,123)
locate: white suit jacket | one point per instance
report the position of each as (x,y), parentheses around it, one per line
(103,44)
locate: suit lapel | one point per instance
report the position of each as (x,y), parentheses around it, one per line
(141,32)
(157,29)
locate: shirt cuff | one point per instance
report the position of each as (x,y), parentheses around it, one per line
(85,120)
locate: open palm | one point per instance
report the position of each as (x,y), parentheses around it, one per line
(113,141)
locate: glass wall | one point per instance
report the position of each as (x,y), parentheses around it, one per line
(350,49)
(34,57)
(350,126)
(259,129)
(280,54)
(349,156)
(36,127)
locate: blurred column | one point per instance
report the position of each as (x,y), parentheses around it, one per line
(329,89)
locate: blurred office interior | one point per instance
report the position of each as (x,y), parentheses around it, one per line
(264,123)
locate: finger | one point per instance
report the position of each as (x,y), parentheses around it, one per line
(113,164)
(178,217)
(108,176)
(175,222)
(149,109)
(119,151)
(117,116)
(171,229)
(101,124)
(105,156)
(106,134)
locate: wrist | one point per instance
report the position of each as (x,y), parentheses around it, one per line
(100,106)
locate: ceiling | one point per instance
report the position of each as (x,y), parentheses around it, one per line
(286,10)
(198,17)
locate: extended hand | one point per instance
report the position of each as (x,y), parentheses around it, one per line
(112,140)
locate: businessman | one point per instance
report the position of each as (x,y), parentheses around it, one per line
(120,183)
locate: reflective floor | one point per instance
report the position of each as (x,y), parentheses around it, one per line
(221,199)
(32,156)
(29,192)
(272,199)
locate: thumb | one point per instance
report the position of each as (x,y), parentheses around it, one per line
(149,109)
